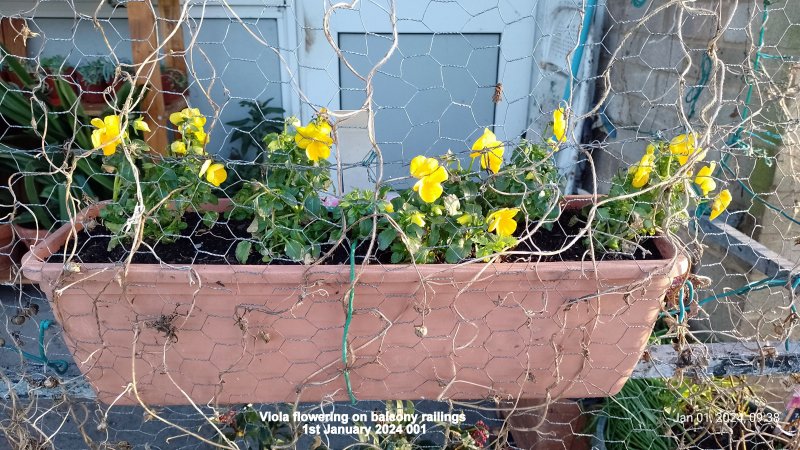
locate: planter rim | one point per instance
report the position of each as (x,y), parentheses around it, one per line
(673,262)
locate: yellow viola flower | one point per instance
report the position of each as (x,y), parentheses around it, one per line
(684,146)
(641,174)
(502,221)
(490,151)
(178,148)
(107,134)
(315,139)
(176,118)
(418,219)
(140,125)
(388,207)
(422,166)
(201,136)
(431,176)
(560,125)
(465,219)
(191,114)
(720,203)
(704,180)
(215,172)
(198,121)
(430,187)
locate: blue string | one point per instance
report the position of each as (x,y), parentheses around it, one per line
(59,365)
(578,55)
(694,93)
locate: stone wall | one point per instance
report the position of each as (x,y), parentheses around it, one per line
(654,64)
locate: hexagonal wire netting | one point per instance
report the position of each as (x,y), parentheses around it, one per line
(382,224)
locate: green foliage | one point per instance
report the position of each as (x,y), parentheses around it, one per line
(635,417)
(55,63)
(679,413)
(178,80)
(454,227)
(167,187)
(97,71)
(251,131)
(288,219)
(621,225)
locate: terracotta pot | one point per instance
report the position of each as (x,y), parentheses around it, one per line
(250,333)
(173,90)
(30,236)
(93,93)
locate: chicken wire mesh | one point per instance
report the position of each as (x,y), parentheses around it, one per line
(365,216)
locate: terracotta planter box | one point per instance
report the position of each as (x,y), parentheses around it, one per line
(248,333)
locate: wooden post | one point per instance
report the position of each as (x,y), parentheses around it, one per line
(12,35)
(14,38)
(170,12)
(144,36)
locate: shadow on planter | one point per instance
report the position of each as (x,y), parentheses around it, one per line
(257,333)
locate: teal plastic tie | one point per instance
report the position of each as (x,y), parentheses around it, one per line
(59,365)
(347,322)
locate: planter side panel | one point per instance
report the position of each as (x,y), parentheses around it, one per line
(257,334)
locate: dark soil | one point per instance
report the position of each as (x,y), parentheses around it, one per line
(198,244)
(561,234)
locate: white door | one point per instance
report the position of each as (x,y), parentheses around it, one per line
(436,90)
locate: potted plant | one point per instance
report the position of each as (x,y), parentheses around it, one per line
(94,77)
(174,84)
(717,413)
(56,68)
(39,190)
(460,287)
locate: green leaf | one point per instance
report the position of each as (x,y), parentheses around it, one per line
(314,205)
(294,250)
(457,251)
(365,228)
(16,66)
(243,251)
(386,237)
(397,257)
(210,218)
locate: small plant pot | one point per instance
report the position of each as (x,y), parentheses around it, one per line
(273,333)
(30,236)
(173,85)
(93,93)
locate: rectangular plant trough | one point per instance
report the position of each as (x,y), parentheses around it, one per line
(249,333)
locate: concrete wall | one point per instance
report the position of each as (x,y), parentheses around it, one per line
(655,66)
(652,65)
